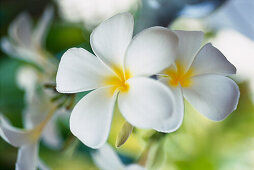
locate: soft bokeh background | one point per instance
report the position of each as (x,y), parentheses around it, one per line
(200,143)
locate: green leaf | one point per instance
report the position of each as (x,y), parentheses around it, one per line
(124,134)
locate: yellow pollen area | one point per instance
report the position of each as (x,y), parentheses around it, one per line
(179,76)
(118,82)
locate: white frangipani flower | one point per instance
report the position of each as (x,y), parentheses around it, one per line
(200,77)
(120,70)
(39,123)
(106,159)
(27,44)
(27,140)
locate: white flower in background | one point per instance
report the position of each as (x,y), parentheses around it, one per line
(26,139)
(200,77)
(39,123)
(106,159)
(91,13)
(37,110)
(38,101)
(120,70)
(27,44)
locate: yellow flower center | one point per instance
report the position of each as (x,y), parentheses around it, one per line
(118,82)
(179,76)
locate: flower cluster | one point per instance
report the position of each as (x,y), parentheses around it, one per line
(121,71)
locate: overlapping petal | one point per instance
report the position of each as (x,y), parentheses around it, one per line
(175,119)
(214,96)
(210,60)
(189,44)
(27,157)
(151,51)
(147,102)
(91,118)
(111,38)
(79,71)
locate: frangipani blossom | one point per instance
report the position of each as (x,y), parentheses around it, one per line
(119,72)
(200,77)
(27,140)
(39,123)
(27,44)
(106,159)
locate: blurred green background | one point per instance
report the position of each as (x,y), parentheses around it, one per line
(199,144)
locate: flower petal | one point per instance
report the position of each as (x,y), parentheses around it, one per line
(111,38)
(91,118)
(20,30)
(214,96)
(151,51)
(27,157)
(105,158)
(79,71)
(14,136)
(210,60)
(41,29)
(176,118)
(147,102)
(189,43)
